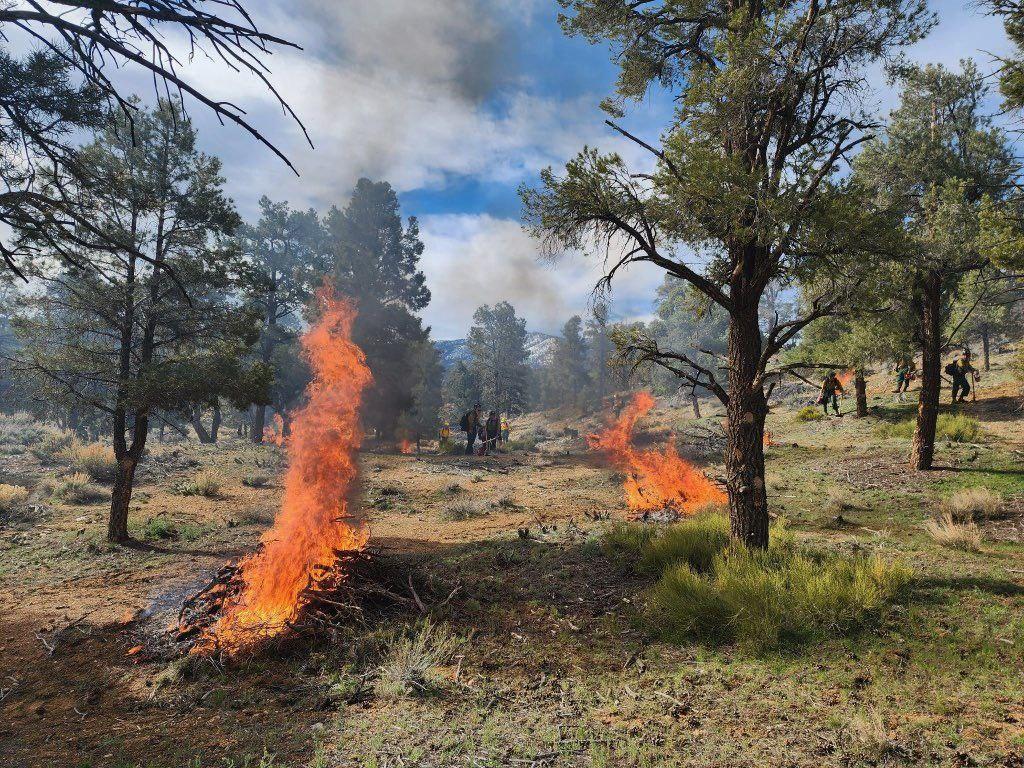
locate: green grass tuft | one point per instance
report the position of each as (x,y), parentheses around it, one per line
(955,427)
(769,600)
(695,542)
(809,413)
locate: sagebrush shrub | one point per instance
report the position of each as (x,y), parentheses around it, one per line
(463,510)
(413,658)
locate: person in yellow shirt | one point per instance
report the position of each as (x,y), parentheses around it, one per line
(446,436)
(504,429)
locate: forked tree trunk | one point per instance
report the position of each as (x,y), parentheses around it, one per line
(197,425)
(930,320)
(985,345)
(747,409)
(860,387)
(117,525)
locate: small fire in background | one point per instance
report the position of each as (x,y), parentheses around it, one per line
(846,377)
(656,479)
(769,438)
(405,445)
(314,524)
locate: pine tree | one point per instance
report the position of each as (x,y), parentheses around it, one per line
(497,342)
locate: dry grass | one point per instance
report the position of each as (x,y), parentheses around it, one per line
(955,535)
(96,460)
(12,498)
(205,483)
(838,500)
(971,503)
(463,510)
(77,489)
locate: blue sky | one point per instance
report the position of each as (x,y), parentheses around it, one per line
(456,103)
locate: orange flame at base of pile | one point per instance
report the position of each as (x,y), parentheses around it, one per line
(656,479)
(405,446)
(314,523)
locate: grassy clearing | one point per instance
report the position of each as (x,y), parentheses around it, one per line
(953,427)
(957,534)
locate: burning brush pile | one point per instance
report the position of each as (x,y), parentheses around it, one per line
(305,561)
(657,481)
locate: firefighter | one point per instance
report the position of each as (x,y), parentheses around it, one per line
(960,371)
(445,437)
(471,425)
(831,388)
(491,431)
(504,429)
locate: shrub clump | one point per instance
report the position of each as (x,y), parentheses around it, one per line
(205,483)
(12,498)
(256,481)
(165,529)
(463,510)
(948,532)
(970,503)
(96,460)
(713,591)
(77,489)
(53,446)
(766,600)
(809,413)
(413,658)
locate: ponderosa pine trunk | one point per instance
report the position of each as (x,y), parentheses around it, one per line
(985,345)
(215,424)
(746,410)
(929,310)
(124,479)
(860,388)
(696,406)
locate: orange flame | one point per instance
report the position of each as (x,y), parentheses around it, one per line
(656,479)
(405,445)
(846,377)
(314,522)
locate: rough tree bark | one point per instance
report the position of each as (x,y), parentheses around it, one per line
(860,387)
(746,410)
(696,406)
(928,309)
(985,345)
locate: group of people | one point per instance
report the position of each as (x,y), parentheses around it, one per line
(960,371)
(490,431)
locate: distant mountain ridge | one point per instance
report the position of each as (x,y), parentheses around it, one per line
(540,346)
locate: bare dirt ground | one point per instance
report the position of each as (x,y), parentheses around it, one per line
(553,666)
